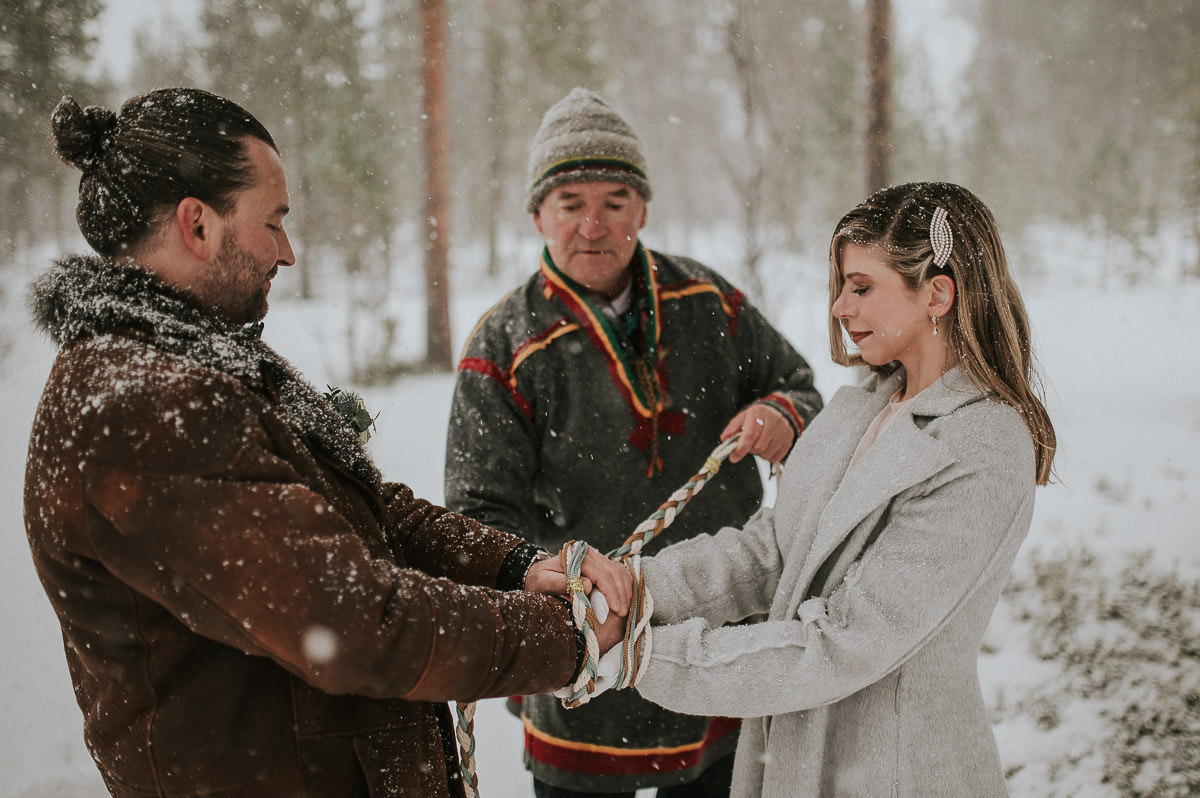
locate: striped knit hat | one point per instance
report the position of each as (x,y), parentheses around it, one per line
(583,138)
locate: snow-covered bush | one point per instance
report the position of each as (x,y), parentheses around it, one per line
(1125,637)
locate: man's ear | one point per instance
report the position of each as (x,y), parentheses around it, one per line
(942,293)
(199,227)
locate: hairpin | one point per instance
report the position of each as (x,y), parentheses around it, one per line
(941,237)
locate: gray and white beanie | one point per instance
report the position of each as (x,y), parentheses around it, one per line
(583,138)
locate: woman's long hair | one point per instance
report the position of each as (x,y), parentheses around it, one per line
(988,327)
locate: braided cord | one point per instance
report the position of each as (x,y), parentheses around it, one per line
(637,643)
(465,732)
(584,616)
(664,516)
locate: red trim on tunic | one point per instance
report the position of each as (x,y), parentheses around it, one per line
(787,406)
(538,343)
(735,303)
(609,761)
(490,369)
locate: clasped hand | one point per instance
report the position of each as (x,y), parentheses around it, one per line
(609,577)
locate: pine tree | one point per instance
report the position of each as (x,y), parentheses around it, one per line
(44,49)
(298,67)
(1085,113)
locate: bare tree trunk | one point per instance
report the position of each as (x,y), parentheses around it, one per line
(879,86)
(750,181)
(497,135)
(437,233)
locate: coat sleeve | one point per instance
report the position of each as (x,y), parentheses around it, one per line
(491,448)
(231,542)
(688,579)
(936,550)
(443,543)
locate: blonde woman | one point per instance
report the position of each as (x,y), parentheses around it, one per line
(900,512)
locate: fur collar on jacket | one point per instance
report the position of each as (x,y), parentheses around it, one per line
(85,296)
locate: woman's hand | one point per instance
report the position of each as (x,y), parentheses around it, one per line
(611,630)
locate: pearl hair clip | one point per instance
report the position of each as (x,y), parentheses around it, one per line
(941,237)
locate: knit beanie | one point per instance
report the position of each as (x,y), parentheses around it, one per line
(581,139)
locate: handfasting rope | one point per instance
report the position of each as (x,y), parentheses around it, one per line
(636,645)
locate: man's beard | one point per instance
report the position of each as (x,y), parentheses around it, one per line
(234,287)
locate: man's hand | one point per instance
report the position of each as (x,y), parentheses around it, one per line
(765,432)
(608,576)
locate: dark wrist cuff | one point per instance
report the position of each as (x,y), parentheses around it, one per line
(516,565)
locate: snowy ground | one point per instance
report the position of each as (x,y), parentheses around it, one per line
(1121,389)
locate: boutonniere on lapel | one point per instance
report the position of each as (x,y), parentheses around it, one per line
(351,407)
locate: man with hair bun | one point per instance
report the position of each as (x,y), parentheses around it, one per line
(587,396)
(248,609)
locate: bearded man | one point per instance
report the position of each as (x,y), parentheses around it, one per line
(248,609)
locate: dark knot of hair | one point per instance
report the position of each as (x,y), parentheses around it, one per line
(81,135)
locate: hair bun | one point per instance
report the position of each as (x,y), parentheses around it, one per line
(81,134)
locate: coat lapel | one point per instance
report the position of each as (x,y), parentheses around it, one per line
(816,466)
(903,456)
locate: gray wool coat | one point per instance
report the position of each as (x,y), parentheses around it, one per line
(879,582)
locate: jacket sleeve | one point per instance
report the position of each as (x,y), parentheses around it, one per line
(491,449)
(233,544)
(774,372)
(446,544)
(688,579)
(936,550)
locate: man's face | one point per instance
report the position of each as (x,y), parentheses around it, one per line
(236,282)
(591,231)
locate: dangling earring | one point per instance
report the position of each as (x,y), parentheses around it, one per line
(934,320)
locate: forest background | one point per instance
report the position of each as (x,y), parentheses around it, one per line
(1077,122)
(753,114)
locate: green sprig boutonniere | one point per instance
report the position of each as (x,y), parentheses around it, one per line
(352,408)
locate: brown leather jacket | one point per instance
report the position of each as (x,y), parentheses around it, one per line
(246,610)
